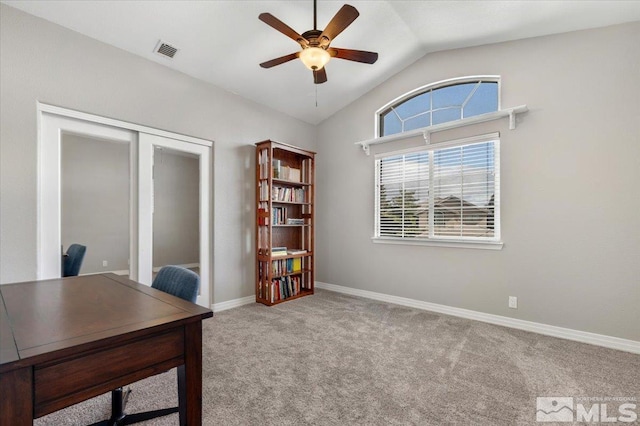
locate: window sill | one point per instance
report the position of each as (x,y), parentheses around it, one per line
(483,245)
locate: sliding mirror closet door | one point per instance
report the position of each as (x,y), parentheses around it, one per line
(96,188)
(86,196)
(174,208)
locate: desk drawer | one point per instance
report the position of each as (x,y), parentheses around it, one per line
(85,374)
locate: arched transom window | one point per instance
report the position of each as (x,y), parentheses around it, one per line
(439,103)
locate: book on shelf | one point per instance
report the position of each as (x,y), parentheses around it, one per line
(295,221)
(279,215)
(263,158)
(294,174)
(296,251)
(285,287)
(279,251)
(295,195)
(286,266)
(289,173)
(296,264)
(277,169)
(263,189)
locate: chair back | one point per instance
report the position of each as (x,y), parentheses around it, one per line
(178,281)
(73,260)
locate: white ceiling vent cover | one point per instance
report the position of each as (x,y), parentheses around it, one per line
(165,49)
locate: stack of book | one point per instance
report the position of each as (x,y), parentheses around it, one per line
(279,251)
(296,251)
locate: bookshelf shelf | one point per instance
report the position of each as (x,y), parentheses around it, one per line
(285,190)
(302,271)
(289,202)
(289,182)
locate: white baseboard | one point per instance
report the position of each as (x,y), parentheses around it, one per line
(155,269)
(186,265)
(122,272)
(234,303)
(549,330)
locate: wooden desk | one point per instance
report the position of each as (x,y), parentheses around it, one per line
(66,340)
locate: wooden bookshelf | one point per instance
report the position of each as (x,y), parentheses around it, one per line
(285,195)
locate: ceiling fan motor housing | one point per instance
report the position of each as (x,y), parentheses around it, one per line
(314,39)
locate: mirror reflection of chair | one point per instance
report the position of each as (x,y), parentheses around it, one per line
(72,260)
(182,283)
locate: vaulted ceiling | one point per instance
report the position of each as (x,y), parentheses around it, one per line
(222,42)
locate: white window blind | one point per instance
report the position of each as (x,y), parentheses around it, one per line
(449,193)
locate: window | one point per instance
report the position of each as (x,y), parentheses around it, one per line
(439,103)
(448,193)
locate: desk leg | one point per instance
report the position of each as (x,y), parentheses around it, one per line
(193,372)
(16,397)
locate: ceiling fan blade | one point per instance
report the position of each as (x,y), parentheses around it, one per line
(354,55)
(320,76)
(345,16)
(280,60)
(277,24)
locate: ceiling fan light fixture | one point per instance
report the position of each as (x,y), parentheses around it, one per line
(315,43)
(314,58)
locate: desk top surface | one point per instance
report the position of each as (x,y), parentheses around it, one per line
(42,317)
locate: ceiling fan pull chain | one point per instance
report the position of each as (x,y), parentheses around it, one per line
(316,86)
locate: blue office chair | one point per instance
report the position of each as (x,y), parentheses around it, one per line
(178,281)
(182,283)
(72,260)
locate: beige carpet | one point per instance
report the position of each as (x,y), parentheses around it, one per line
(333,359)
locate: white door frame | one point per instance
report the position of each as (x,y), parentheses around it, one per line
(147,143)
(53,123)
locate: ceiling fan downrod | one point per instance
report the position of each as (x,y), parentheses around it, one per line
(315,14)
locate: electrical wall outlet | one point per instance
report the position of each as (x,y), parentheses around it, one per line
(513,302)
(105,263)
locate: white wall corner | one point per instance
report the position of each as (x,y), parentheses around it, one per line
(548,330)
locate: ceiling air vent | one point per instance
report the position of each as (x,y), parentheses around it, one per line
(165,49)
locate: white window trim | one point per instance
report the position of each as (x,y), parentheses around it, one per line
(431,86)
(454,242)
(484,245)
(426,132)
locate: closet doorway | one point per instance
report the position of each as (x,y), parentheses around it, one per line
(168,207)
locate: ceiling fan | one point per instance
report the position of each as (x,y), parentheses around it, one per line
(315,51)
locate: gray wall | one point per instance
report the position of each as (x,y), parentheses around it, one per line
(95,201)
(41,61)
(570,198)
(176,202)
